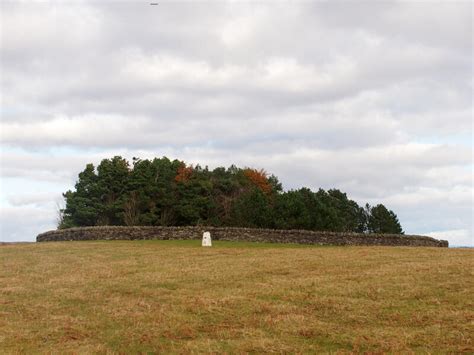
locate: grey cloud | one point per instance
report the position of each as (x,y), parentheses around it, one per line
(38,199)
(446,24)
(394,63)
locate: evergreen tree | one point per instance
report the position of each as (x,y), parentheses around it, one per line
(252,209)
(165,192)
(112,181)
(381,220)
(294,210)
(83,206)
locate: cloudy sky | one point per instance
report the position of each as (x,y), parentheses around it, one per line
(373,98)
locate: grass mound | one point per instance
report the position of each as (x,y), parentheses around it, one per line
(175,296)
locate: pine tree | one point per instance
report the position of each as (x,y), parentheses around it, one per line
(381,220)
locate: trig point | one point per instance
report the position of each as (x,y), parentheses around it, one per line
(206,239)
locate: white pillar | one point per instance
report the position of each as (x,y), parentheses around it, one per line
(206,239)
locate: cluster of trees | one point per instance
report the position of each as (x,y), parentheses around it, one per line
(165,192)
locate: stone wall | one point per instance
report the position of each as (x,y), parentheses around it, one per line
(237,234)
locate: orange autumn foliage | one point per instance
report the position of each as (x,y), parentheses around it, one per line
(184,173)
(259,179)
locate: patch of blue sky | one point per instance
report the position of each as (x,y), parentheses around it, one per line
(464,139)
(60,150)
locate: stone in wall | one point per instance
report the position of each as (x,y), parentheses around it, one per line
(237,234)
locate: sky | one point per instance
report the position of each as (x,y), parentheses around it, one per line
(372,98)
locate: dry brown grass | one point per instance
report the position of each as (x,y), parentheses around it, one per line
(178,297)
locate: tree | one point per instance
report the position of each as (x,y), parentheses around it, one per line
(112,182)
(192,199)
(226,186)
(258,178)
(350,215)
(165,192)
(382,220)
(131,211)
(294,210)
(83,206)
(252,209)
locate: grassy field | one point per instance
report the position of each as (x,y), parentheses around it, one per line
(164,296)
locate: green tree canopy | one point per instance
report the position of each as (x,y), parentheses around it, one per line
(381,220)
(169,192)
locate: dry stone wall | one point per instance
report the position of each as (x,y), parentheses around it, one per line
(237,234)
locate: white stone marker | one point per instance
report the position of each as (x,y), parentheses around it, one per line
(206,239)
